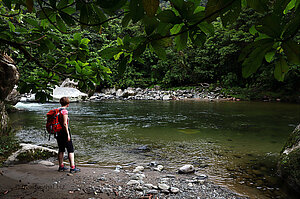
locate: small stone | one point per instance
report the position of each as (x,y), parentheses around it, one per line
(46,163)
(201,177)
(102,179)
(159,168)
(163,186)
(138,169)
(149,186)
(169,176)
(152,191)
(138,176)
(174,190)
(153,164)
(69,174)
(186,169)
(139,188)
(133,182)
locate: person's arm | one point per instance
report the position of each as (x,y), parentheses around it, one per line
(65,117)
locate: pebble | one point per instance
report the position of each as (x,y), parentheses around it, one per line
(174,190)
(153,164)
(163,186)
(149,186)
(139,188)
(138,176)
(152,191)
(186,169)
(159,168)
(69,174)
(133,182)
(138,169)
(46,163)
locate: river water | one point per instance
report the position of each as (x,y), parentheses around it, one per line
(235,143)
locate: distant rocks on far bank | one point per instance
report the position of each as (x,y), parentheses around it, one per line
(202,93)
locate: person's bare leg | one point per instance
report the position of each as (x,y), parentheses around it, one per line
(71,159)
(60,158)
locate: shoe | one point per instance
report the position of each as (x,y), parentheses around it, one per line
(62,168)
(75,170)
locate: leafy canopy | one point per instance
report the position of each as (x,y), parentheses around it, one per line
(50,56)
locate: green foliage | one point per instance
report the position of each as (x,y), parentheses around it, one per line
(48,45)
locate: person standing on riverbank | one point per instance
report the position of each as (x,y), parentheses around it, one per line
(64,139)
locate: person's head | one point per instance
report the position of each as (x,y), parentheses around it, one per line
(64,101)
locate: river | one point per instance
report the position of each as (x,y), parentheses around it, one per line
(235,143)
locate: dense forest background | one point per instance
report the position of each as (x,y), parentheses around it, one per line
(215,60)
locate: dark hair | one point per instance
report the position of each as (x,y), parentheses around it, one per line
(64,101)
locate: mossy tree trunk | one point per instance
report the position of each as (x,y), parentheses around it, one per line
(9,77)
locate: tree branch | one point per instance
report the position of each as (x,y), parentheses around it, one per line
(11,15)
(83,23)
(39,2)
(30,57)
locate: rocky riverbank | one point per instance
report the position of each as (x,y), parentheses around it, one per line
(201,93)
(36,180)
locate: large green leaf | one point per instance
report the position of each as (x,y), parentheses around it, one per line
(62,3)
(150,24)
(136,10)
(207,28)
(258,5)
(281,68)
(111,5)
(67,19)
(139,50)
(181,40)
(269,56)
(168,16)
(151,7)
(215,7)
(178,4)
(84,14)
(254,60)
(60,23)
(248,49)
(271,26)
(159,49)
(126,19)
(230,16)
(292,51)
(292,27)
(109,53)
(164,28)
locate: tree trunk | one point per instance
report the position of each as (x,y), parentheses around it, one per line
(9,77)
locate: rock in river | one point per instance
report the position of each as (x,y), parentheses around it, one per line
(186,169)
(289,162)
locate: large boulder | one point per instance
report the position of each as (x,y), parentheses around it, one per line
(289,162)
(72,93)
(30,152)
(9,77)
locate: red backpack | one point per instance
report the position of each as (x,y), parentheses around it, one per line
(53,125)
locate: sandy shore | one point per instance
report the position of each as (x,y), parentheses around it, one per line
(40,181)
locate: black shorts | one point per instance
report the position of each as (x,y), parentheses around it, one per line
(63,143)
